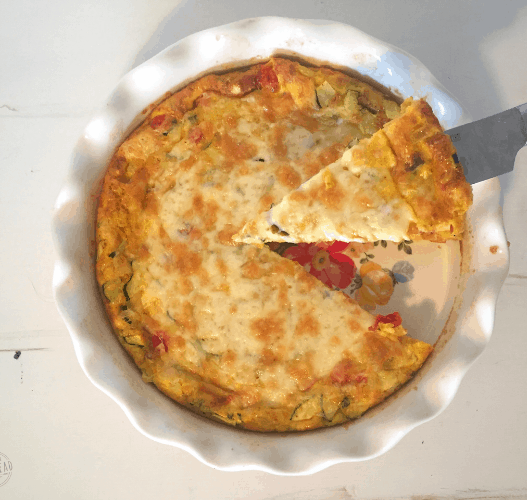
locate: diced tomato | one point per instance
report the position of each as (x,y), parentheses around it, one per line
(267,79)
(342,372)
(158,338)
(394,318)
(345,372)
(156,341)
(195,135)
(157,121)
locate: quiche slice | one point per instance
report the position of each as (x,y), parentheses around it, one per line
(400,184)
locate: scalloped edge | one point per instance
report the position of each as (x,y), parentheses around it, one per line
(77,296)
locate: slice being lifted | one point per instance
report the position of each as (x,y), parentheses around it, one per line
(400,184)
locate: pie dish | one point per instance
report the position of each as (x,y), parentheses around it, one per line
(77,295)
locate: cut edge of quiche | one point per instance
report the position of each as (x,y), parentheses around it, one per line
(402,183)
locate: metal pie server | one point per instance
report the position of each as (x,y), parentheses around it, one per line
(488,147)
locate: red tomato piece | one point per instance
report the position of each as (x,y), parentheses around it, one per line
(345,372)
(267,79)
(157,121)
(394,318)
(158,338)
(195,135)
(342,372)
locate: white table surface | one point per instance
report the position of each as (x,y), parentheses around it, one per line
(65,439)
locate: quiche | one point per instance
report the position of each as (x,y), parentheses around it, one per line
(400,184)
(231,330)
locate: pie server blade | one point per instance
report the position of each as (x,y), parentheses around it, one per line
(488,147)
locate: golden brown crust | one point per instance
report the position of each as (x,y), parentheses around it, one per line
(236,332)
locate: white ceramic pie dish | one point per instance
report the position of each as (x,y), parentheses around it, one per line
(474,294)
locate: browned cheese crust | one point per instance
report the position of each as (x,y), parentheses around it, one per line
(236,332)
